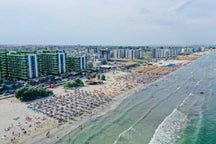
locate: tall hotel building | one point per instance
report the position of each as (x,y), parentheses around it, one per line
(128,53)
(31,64)
(164,52)
(52,62)
(76,63)
(26,65)
(22,65)
(105,54)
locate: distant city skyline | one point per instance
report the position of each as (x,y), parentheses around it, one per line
(108,22)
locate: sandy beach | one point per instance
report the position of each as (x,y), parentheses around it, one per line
(65,129)
(110,86)
(18,122)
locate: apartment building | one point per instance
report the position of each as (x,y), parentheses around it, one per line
(32,64)
(76,63)
(127,53)
(22,65)
(3,64)
(164,52)
(52,62)
(186,51)
(105,54)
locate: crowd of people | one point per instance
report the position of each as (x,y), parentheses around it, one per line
(72,105)
(69,106)
(20,128)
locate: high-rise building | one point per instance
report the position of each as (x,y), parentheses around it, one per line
(77,64)
(128,53)
(165,52)
(52,62)
(121,53)
(105,54)
(3,65)
(32,64)
(115,53)
(22,65)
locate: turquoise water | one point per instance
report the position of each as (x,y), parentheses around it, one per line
(202,127)
(137,117)
(207,132)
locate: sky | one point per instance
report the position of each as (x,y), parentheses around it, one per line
(108,22)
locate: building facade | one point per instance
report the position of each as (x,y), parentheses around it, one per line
(52,62)
(3,64)
(105,54)
(76,64)
(127,54)
(26,65)
(164,52)
(31,64)
(22,66)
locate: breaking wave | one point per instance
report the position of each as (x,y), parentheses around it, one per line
(166,132)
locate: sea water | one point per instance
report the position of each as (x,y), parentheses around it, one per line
(194,121)
(202,126)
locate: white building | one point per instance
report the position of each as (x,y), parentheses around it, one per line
(128,54)
(161,53)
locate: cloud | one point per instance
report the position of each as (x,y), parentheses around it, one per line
(144,11)
(180,6)
(106,21)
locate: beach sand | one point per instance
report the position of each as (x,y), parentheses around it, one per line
(13,115)
(59,132)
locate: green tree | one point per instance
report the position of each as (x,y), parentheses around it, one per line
(79,82)
(31,93)
(75,83)
(103,77)
(93,75)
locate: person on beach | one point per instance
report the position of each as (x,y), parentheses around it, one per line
(47,134)
(81,126)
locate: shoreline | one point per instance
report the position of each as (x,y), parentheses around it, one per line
(67,128)
(171,129)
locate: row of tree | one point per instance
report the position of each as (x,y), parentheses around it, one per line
(32,93)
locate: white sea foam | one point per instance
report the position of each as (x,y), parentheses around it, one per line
(170,129)
(166,131)
(171,125)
